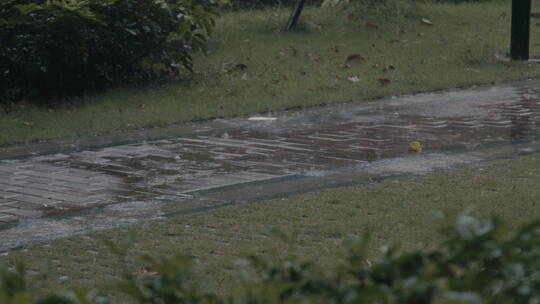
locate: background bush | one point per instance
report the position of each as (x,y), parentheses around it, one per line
(481,261)
(51,49)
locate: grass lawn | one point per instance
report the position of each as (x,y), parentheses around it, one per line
(253,66)
(396,210)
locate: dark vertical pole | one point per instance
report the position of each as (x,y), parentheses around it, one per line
(295,14)
(521,21)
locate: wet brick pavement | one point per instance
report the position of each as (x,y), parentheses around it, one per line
(179,167)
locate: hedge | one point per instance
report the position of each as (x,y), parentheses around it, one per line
(52,49)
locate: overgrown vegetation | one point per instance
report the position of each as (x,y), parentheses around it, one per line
(480,262)
(52,49)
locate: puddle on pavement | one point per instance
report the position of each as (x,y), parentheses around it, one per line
(174,168)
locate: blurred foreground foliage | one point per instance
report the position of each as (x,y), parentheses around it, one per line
(481,261)
(52,49)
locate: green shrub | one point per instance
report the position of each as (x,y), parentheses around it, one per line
(480,262)
(13,286)
(58,48)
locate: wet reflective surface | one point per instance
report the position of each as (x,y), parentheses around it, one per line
(296,144)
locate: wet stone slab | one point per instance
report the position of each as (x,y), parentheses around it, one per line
(179,167)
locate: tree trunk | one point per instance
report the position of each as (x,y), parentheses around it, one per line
(295,14)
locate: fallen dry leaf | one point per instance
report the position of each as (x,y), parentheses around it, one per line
(337,76)
(535,15)
(383,81)
(426,21)
(354,57)
(28,123)
(369,263)
(353,78)
(344,66)
(389,68)
(240,67)
(372,24)
(148,271)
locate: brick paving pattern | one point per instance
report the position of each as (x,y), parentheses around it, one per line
(173,169)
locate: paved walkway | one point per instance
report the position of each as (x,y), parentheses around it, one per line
(43,185)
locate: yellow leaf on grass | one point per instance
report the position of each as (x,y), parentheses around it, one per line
(415,147)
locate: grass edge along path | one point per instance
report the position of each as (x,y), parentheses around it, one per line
(252,67)
(314,225)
